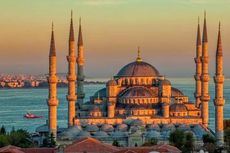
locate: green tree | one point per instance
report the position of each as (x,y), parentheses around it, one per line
(227,138)
(207,138)
(209,143)
(189,143)
(3,130)
(4,140)
(151,142)
(116,143)
(20,138)
(176,138)
(52,140)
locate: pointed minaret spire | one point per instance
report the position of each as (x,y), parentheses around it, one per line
(198,62)
(198,40)
(52,43)
(71,33)
(219,43)
(80,68)
(138,54)
(80,39)
(71,76)
(52,100)
(205,34)
(219,93)
(205,76)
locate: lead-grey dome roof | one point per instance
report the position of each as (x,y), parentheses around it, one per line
(138,69)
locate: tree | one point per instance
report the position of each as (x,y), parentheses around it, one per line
(49,141)
(3,141)
(151,142)
(176,138)
(207,138)
(52,140)
(3,130)
(116,143)
(20,138)
(227,138)
(189,143)
(209,143)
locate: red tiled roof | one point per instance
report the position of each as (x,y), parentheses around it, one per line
(11,149)
(90,145)
(39,150)
(14,149)
(159,148)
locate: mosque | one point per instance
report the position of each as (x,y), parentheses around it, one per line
(138,103)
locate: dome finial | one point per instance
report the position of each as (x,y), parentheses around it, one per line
(138,54)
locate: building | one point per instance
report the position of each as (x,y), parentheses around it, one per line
(138,103)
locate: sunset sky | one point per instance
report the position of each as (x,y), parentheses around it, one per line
(112,29)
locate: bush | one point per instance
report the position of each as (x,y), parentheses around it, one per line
(151,142)
(181,140)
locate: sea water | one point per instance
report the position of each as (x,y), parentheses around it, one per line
(14,103)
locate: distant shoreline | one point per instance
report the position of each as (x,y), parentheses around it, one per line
(59,85)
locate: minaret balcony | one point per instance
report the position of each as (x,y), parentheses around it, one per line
(197,77)
(219,79)
(80,61)
(71,77)
(52,79)
(205,59)
(205,77)
(52,102)
(219,101)
(205,98)
(71,58)
(197,60)
(71,97)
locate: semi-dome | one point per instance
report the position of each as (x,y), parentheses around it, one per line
(137,92)
(138,69)
(176,92)
(178,107)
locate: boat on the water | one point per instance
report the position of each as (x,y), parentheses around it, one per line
(31,116)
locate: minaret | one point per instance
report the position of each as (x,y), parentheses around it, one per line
(52,80)
(71,77)
(80,68)
(205,76)
(219,93)
(198,62)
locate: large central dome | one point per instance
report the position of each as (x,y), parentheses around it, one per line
(138,69)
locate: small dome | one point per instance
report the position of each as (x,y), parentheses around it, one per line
(154,127)
(184,127)
(167,127)
(107,128)
(122,127)
(166,83)
(178,107)
(153,134)
(137,122)
(84,134)
(176,92)
(100,134)
(138,69)
(137,92)
(111,83)
(118,134)
(70,133)
(91,128)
